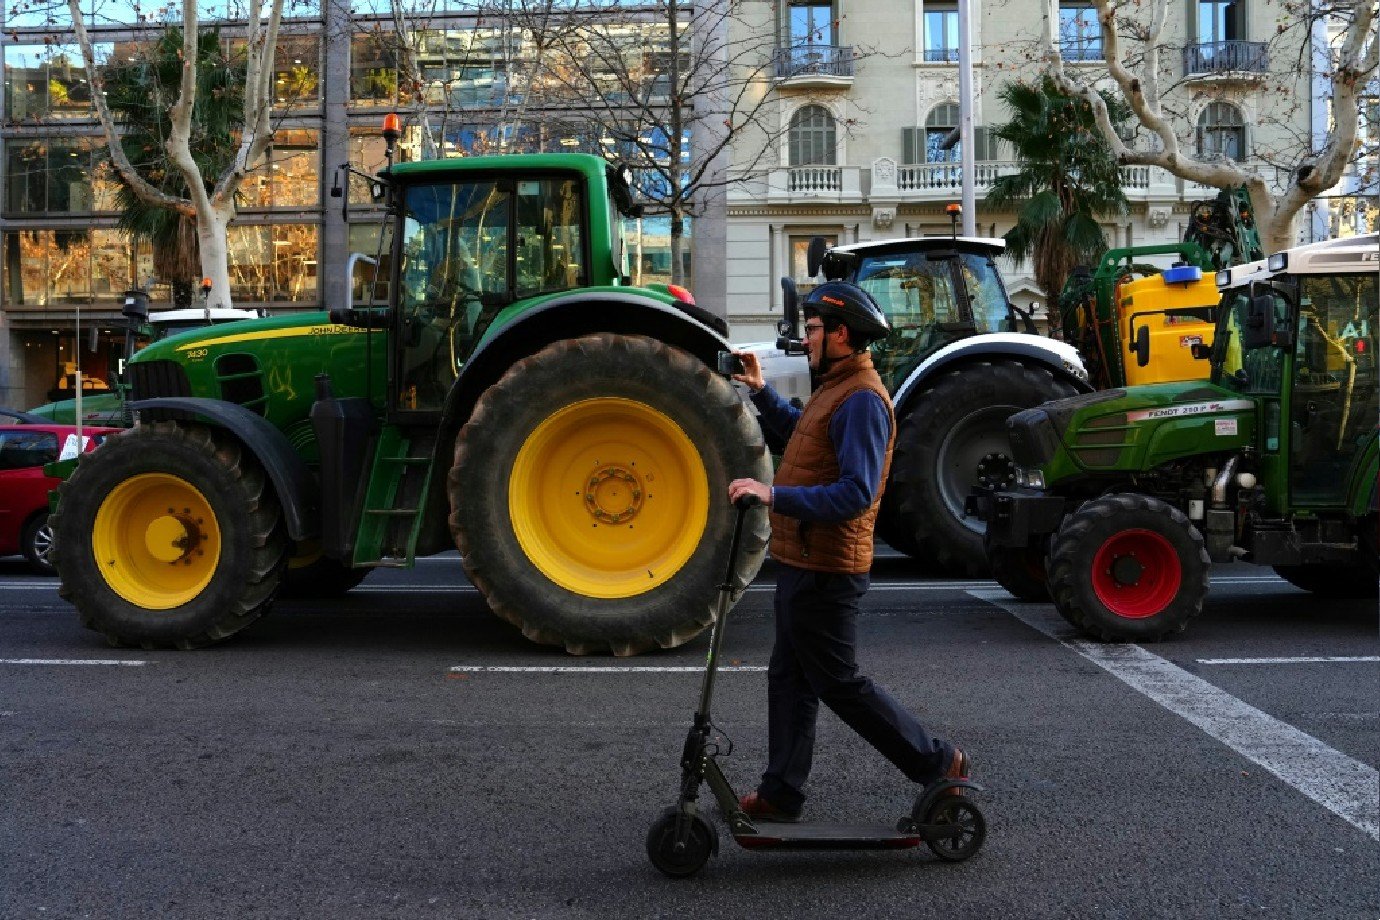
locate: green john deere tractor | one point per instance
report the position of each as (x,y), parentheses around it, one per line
(516,399)
(1126,496)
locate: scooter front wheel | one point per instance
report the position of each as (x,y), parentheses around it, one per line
(701,842)
(965,828)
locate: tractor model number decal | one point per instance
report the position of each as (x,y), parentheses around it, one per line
(196,354)
(1203,408)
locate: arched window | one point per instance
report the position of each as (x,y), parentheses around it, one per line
(942,121)
(812,137)
(1222,132)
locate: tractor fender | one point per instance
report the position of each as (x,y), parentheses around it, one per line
(1061,358)
(292,481)
(566,318)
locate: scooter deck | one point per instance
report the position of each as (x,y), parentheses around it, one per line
(781,836)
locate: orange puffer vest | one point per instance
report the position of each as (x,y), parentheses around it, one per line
(827,546)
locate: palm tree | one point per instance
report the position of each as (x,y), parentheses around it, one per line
(141,94)
(1067,179)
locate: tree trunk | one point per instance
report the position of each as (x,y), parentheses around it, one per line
(677,245)
(213,233)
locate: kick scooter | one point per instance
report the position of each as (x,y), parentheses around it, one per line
(682,840)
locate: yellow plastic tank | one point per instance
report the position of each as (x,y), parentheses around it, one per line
(1178,315)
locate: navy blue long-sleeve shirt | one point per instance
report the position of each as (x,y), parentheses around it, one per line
(859,431)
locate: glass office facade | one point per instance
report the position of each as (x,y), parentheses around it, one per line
(61,250)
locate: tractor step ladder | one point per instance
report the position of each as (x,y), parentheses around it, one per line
(393,503)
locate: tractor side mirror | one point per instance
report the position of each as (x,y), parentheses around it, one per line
(788,329)
(814,255)
(1259,328)
(136,307)
(1141,347)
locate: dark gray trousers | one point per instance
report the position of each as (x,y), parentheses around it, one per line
(814,660)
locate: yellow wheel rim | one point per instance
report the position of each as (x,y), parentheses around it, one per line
(156,541)
(608,498)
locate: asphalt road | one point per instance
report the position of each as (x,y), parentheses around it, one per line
(354,760)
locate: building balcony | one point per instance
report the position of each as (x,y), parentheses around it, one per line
(805,184)
(1247,62)
(814,66)
(944,181)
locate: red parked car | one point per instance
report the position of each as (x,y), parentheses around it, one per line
(24,449)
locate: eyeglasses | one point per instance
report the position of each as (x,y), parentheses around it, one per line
(811,328)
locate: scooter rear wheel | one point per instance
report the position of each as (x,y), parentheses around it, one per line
(963,813)
(701,843)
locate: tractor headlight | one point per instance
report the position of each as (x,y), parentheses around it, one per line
(1033,479)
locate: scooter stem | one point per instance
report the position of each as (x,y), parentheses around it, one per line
(716,635)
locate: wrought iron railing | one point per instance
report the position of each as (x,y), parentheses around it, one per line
(941,55)
(814,60)
(1226,57)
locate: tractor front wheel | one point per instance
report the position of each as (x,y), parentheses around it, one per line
(589,494)
(953,440)
(1128,568)
(168,536)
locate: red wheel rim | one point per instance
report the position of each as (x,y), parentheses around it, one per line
(1136,573)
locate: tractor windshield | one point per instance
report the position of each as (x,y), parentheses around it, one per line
(930,299)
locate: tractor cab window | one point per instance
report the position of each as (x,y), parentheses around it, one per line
(454,267)
(550,243)
(991,307)
(1334,401)
(1252,371)
(922,302)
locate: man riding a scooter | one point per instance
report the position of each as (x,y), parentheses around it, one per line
(823,510)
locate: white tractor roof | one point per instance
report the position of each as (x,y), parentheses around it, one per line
(1342,255)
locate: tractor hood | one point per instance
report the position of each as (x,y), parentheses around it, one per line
(1131,430)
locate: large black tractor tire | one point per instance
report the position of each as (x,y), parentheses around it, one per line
(313,576)
(1339,581)
(169,536)
(954,437)
(1128,568)
(589,495)
(1020,569)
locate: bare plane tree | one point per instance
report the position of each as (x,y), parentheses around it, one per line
(212,198)
(1133,45)
(643,95)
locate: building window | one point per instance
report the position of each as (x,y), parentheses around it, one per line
(1221,132)
(288,175)
(47,82)
(374,68)
(275,263)
(1220,21)
(812,137)
(941,32)
(296,71)
(811,23)
(58,175)
(943,121)
(57,267)
(1080,35)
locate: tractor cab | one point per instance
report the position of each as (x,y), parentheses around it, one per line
(934,291)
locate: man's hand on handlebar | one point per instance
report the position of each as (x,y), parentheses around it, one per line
(741,487)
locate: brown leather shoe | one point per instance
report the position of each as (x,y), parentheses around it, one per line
(754,806)
(958,769)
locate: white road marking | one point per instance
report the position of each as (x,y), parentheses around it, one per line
(599,669)
(1303,659)
(119,662)
(1343,785)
